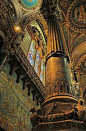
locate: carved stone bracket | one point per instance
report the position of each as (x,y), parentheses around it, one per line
(24,71)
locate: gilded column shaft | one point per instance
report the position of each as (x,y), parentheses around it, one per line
(57,74)
(54,42)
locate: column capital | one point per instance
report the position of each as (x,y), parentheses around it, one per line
(52,7)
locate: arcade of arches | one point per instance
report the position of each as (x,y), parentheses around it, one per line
(27,27)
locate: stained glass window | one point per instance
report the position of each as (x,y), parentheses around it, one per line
(37,63)
(35,59)
(32,53)
(42,70)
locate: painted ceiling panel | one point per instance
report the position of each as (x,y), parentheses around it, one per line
(29,4)
(65,4)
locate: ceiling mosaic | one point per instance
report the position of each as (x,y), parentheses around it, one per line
(77,15)
(65,4)
(30,4)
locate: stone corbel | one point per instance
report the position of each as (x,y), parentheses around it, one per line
(37,95)
(13,68)
(26,84)
(20,75)
(33,90)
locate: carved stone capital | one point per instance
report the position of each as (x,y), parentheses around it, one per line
(52,7)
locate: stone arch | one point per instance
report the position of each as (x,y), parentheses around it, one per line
(36,25)
(79,53)
(18,10)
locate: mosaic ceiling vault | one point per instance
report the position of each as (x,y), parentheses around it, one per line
(30,4)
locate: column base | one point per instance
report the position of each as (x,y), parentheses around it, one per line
(67,125)
(67,98)
(59,113)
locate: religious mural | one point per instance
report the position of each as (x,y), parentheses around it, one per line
(77,15)
(80,14)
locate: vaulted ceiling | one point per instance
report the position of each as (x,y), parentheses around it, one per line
(73,26)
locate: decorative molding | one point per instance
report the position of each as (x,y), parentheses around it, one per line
(25,21)
(66,125)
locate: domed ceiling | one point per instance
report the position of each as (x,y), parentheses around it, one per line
(30,4)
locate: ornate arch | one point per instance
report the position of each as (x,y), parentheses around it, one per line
(79,53)
(18,10)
